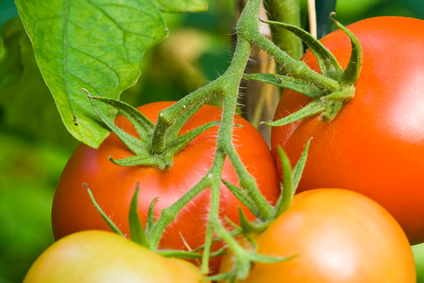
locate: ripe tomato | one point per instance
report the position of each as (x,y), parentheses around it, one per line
(336,236)
(100,256)
(375,145)
(113,186)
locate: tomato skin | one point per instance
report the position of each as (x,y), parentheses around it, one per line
(375,145)
(337,236)
(100,256)
(113,186)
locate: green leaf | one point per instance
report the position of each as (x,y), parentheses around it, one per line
(27,106)
(97,45)
(10,56)
(177,6)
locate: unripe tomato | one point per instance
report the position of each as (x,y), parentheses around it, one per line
(105,257)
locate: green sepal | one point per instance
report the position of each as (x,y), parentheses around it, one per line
(333,108)
(181,119)
(131,142)
(145,129)
(243,197)
(298,85)
(299,167)
(109,222)
(250,227)
(269,259)
(181,141)
(150,217)
(179,254)
(167,129)
(326,60)
(136,228)
(344,95)
(188,254)
(331,102)
(141,123)
(144,159)
(245,225)
(313,108)
(285,199)
(353,69)
(243,265)
(291,178)
(225,277)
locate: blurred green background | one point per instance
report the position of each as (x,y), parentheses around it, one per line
(34,145)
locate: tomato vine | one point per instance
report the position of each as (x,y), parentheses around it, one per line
(330,89)
(158,143)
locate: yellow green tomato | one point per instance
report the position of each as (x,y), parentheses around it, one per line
(100,256)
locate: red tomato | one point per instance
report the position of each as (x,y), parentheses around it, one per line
(113,186)
(375,145)
(336,236)
(100,257)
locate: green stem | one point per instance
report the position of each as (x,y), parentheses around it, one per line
(249,30)
(234,74)
(229,83)
(215,175)
(286,11)
(248,182)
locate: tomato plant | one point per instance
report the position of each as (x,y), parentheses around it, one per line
(113,185)
(100,256)
(185,184)
(334,235)
(375,145)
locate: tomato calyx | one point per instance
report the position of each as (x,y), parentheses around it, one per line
(327,99)
(244,249)
(145,146)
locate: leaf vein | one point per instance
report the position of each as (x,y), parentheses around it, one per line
(96,59)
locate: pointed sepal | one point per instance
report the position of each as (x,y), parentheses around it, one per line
(136,228)
(327,62)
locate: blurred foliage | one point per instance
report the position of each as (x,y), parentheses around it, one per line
(419,261)
(35,146)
